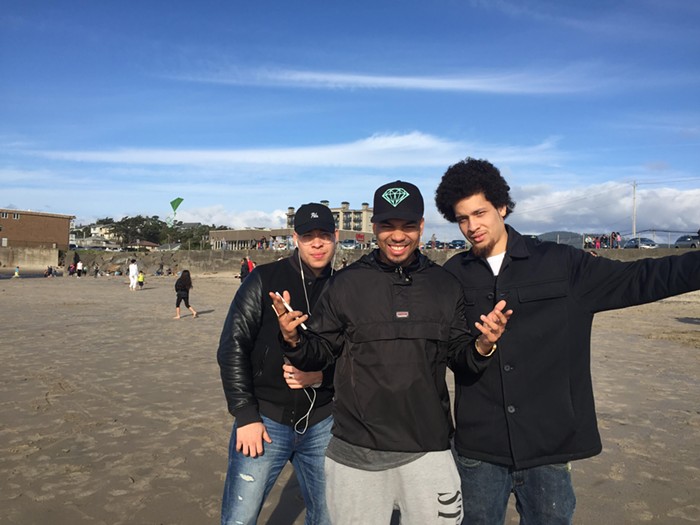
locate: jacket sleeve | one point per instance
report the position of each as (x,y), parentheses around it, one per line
(605,284)
(462,354)
(322,343)
(236,344)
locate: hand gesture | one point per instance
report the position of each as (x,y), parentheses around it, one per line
(288,321)
(492,326)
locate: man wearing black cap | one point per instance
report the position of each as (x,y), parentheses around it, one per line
(393,321)
(281,413)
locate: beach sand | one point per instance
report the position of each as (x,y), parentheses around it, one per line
(112,412)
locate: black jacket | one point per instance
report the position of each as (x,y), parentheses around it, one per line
(249,354)
(534,405)
(393,333)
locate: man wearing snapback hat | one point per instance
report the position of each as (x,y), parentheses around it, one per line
(281,413)
(393,321)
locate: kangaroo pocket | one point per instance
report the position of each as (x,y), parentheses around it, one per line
(393,387)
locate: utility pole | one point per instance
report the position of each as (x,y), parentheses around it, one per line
(634,209)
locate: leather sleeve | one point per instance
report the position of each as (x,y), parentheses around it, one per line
(236,344)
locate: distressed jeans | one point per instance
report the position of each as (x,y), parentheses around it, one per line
(543,495)
(250,480)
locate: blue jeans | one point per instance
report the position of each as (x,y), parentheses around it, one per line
(250,480)
(543,495)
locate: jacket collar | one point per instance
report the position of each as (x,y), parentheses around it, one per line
(373,259)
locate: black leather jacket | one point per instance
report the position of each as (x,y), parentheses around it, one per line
(250,357)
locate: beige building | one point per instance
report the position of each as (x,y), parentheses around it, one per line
(31,229)
(352,224)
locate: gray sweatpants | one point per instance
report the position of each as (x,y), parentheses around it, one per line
(425,491)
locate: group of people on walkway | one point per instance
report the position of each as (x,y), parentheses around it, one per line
(614,240)
(343,373)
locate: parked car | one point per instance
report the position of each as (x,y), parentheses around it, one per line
(687,241)
(458,244)
(348,244)
(640,242)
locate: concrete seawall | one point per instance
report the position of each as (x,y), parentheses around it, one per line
(28,258)
(213,261)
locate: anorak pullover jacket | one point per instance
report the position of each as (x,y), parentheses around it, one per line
(393,331)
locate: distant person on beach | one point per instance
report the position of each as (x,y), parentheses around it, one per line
(281,413)
(141,279)
(79,269)
(133,275)
(183,285)
(244,269)
(531,412)
(16,274)
(393,320)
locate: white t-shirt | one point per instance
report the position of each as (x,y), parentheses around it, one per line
(133,270)
(495,262)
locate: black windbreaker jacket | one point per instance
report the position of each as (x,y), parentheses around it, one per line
(393,332)
(250,357)
(534,404)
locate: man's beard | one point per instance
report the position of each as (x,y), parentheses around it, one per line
(484,250)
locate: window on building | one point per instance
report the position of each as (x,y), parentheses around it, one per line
(3,215)
(15,215)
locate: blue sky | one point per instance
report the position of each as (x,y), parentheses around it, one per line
(111,108)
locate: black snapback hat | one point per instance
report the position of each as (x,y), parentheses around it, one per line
(313,216)
(398,200)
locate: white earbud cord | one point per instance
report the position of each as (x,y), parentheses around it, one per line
(310,396)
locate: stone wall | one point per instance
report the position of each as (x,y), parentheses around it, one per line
(213,261)
(28,258)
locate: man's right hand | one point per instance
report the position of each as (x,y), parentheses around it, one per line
(288,321)
(249,439)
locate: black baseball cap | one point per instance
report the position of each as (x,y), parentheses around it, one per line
(313,216)
(398,200)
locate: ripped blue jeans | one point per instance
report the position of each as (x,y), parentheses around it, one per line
(250,480)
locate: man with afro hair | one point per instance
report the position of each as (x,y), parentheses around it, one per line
(524,418)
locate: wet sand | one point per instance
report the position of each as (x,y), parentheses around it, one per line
(111,411)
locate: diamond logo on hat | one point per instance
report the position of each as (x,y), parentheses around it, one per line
(395,196)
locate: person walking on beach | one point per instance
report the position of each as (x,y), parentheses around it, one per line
(282,414)
(393,320)
(133,275)
(183,285)
(244,269)
(141,279)
(522,421)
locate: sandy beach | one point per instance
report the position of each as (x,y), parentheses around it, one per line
(112,412)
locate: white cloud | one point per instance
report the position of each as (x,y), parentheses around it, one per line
(220,216)
(570,78)
(391,150)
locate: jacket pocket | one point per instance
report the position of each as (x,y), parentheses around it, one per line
(543,291)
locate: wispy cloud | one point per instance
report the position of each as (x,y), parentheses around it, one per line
(571,78)
(377,151)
